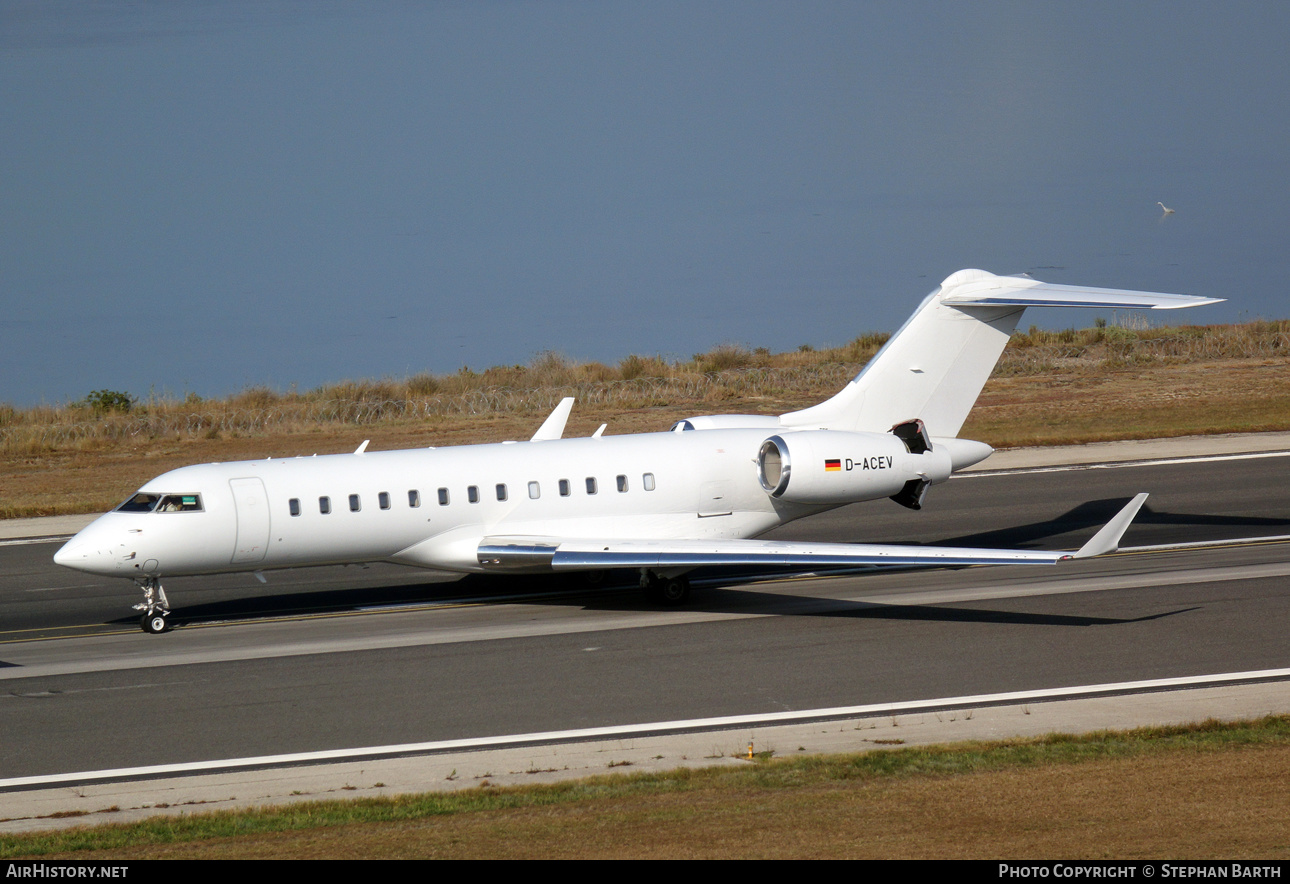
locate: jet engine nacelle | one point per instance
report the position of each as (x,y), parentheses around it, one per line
(835,467)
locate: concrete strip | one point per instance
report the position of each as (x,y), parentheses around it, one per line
(1142,449)
(128,802)
(47,526)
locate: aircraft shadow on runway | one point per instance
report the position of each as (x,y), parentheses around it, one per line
(235,606)
(253,603)
(730,599)
(1151,525)
(942,614)
(716,592)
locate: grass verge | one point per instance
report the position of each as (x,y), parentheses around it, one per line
(1208,790)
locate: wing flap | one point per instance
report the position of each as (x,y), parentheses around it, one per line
(533,553)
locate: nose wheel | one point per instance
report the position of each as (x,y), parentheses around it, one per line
(155,623)
(155,606)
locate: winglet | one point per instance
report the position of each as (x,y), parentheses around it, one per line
(1108,539)
(360,449)
(553,426)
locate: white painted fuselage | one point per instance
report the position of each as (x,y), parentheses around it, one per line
(431,507)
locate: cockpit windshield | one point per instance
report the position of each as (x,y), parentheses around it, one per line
(140,503)
(143,502)
(180,503)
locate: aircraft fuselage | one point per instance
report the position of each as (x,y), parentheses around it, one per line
(431,507)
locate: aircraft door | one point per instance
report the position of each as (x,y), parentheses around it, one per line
(252,505)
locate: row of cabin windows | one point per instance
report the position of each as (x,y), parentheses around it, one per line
(472,494)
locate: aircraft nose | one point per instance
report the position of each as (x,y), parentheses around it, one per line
(81,555)
(74,553)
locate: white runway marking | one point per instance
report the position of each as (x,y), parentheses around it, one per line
(1201,544)
(630,730)
(1117,465)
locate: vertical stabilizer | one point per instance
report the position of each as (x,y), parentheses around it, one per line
(934,368)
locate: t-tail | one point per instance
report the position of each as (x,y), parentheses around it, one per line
(934,367)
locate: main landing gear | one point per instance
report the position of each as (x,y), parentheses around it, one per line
(155,607)
(665,590)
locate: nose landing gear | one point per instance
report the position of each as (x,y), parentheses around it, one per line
(155,607)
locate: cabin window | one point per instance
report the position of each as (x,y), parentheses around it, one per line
(140,503)
(535,491)
(354,504)
(324,505)
(294,506)
(647,481)
(414,498)
(472,494)
(622,484)
(564,487)
(384,500)
(501,491)
(443,497)
(591,484)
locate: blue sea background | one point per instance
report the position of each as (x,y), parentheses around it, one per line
(201,197)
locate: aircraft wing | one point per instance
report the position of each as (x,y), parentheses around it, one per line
(588,553)
(584,554)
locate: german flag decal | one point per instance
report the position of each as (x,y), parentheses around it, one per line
(833,465)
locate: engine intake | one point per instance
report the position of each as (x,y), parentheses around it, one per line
(836,467)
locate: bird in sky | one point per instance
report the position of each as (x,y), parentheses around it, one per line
(1164,208)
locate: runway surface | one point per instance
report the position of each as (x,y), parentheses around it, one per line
(339,658)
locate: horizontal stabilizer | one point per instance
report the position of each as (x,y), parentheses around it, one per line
(978,288)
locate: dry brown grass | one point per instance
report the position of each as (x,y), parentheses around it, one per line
(1136,402)
(1194,803)
(1050,388)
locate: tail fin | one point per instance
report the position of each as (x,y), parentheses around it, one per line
(935,366)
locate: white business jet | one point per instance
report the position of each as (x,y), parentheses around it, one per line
(660,503)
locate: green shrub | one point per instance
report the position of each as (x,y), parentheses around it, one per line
(104,401)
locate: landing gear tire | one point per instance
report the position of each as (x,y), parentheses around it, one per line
(155,623)
(669,591)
